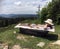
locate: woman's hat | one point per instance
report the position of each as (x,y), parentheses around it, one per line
(49,21)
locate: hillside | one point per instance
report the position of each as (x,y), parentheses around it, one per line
(12,37)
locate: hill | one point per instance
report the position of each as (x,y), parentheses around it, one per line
(18,15)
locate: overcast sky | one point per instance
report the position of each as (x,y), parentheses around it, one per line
(21,6)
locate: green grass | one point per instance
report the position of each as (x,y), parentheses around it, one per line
(7,36)
(36,21)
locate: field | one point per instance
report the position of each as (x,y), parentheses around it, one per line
(11,36)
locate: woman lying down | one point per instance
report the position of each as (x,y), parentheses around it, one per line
(49,26)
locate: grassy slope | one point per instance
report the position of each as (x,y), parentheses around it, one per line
(7,36)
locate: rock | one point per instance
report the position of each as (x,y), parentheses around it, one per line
(41,44)
(21,37)
(32,36)
(14,32)
(1,46)
(16,47)
(5,47)
(56,42)
(26,48)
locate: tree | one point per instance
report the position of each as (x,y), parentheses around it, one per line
(43,14)
(52,11)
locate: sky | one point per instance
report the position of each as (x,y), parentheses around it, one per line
(21,6)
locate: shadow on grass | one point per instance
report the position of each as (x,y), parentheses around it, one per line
(45,35)
(49,36)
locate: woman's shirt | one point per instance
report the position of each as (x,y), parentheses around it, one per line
(50,26)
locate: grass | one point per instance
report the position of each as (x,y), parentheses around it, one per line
(7,36)
(36,21)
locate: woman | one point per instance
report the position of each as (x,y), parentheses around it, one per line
(49,25)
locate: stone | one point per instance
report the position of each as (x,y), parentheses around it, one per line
(16,47)
(5,47)
(1,46)
(56,42)
(25,48)
(21,37)
(41,44)
(32,36)
(14,32)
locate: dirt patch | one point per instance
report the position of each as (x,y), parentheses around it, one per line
(26,48)
(41,44)
(4,46)
(21,37)
(16,47)
(56,43)
(53,45)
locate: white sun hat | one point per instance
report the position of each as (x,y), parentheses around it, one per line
(49,21)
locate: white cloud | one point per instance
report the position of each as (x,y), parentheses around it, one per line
(18,3)
(32,3)
(19,6)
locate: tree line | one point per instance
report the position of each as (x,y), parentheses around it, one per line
(9,21)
